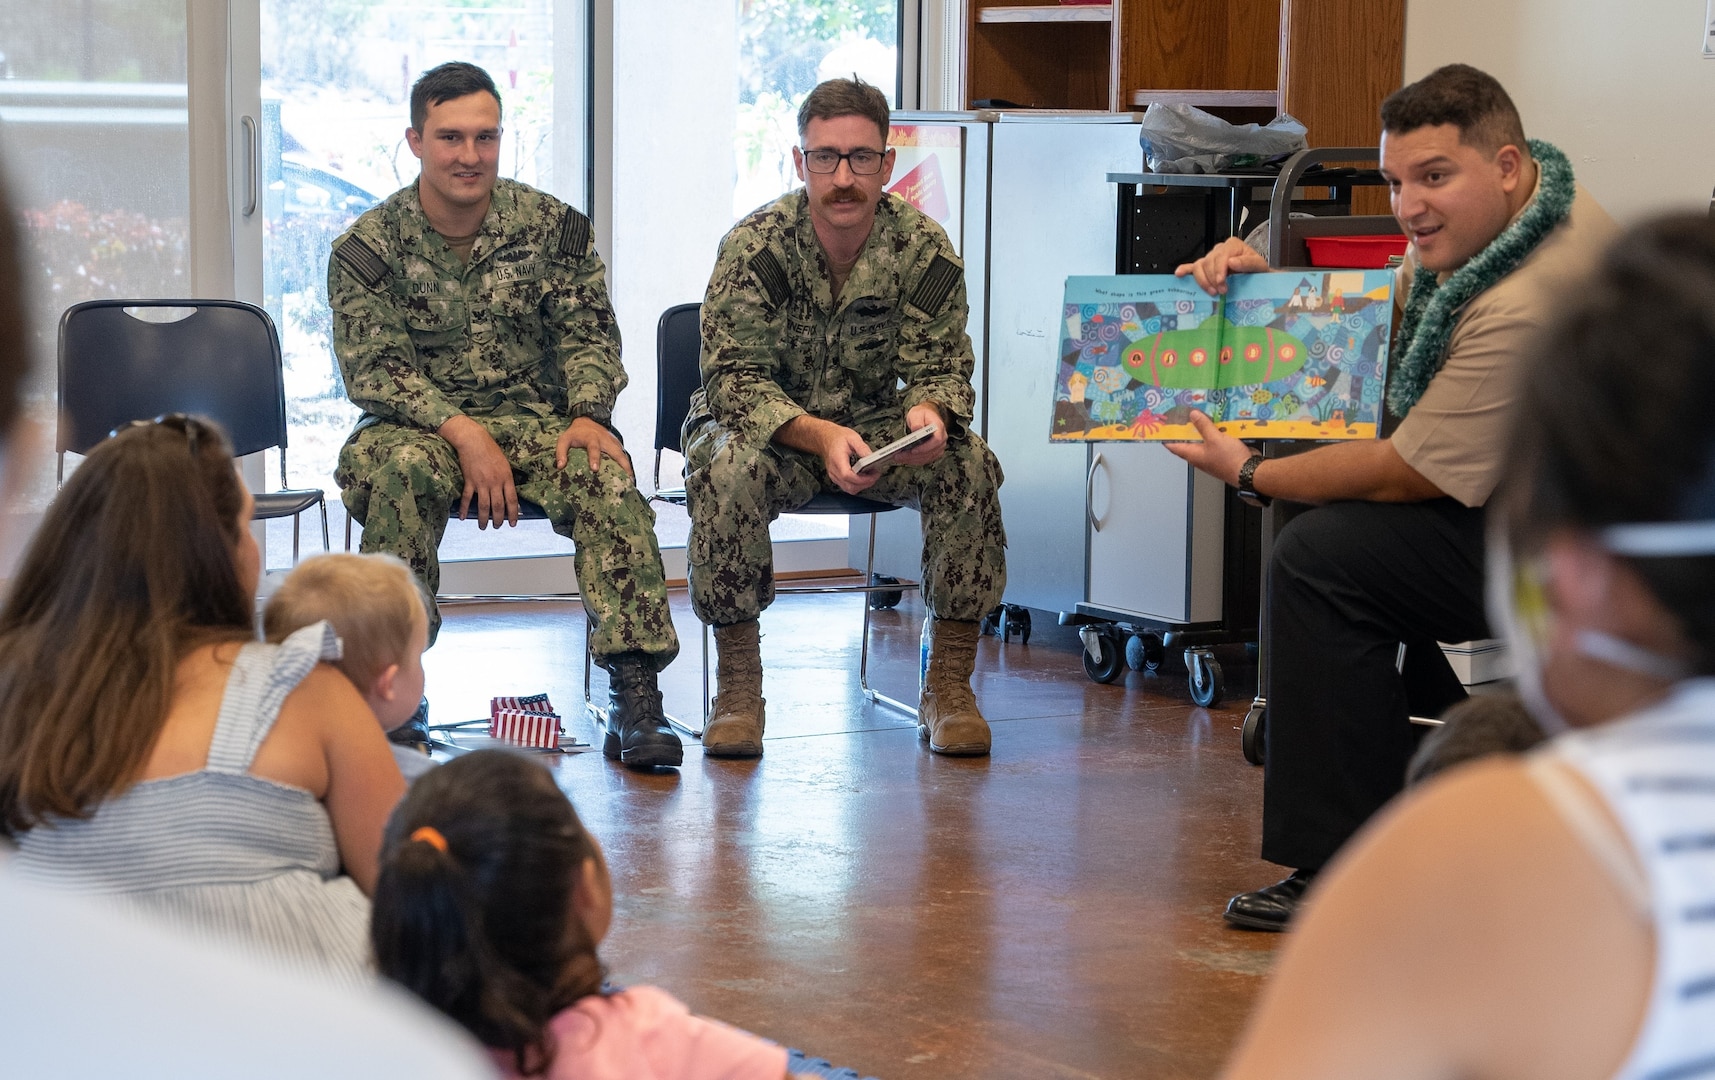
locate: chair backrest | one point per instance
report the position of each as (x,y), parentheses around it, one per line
(124,360)
(678,371)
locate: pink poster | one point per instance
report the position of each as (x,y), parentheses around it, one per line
(928,173)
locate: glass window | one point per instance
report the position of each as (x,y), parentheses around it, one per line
(786,47)
(94,140)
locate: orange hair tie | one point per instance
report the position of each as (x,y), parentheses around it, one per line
(431,836)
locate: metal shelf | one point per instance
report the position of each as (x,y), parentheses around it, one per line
(1049,13)
(1206,99)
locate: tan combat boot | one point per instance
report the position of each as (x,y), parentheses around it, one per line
(947,714)
(735,724)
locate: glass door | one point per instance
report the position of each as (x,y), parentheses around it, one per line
(698,100)
(336,78)
(786,47)
(705,103)
(94,141)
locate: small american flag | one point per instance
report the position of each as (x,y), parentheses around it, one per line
(526,728)
(527,721)
(533,703)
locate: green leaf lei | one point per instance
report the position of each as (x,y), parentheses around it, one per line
(1433,307)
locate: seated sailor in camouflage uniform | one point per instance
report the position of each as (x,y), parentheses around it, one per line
(834,323)
(472,324)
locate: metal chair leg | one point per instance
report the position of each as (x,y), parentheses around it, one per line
(706,700)
(326,546)
(589,664)
(863,641)
(1399,666)
(863,649)
(296,518)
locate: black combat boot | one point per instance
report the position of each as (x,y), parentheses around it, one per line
(415,731)
(637,732)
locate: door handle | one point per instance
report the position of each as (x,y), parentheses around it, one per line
(252,164)
(1090,493)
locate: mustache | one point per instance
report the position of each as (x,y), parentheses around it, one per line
(845,195)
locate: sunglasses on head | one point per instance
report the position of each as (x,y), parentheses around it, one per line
(191,427)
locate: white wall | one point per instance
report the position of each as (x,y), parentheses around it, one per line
(1619,85)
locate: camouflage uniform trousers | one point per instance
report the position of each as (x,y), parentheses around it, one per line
(401,483)
(736,488)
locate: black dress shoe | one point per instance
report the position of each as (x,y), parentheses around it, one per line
(1270,908)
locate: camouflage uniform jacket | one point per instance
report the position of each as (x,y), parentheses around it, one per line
(777,345)
(524,329)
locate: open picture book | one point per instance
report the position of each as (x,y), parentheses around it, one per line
(1285,355)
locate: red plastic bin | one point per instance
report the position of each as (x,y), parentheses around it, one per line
(1358,252)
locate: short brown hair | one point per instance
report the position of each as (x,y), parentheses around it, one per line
(1473,101)
(373,601)
(845,97)
(453,79)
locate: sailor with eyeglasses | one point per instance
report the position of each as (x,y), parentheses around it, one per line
(834,324)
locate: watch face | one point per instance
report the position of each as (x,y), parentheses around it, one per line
(1247,474)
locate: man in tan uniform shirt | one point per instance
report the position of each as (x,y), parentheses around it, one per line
(1393,550)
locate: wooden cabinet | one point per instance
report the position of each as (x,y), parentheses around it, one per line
(1181,45)
(1339,59)
(1327,62)
(1042,54)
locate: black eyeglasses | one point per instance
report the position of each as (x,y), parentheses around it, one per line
(191,426)
(864,162)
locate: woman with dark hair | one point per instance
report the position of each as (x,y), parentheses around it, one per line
(491,903)
(1553,915)
(150,748)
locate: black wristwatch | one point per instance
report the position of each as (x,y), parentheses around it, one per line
(1247,482)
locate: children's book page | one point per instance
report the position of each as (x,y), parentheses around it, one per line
(1286,355)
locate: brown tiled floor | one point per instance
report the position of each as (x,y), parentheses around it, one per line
(1051,911)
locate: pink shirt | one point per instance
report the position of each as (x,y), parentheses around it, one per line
(647,1034)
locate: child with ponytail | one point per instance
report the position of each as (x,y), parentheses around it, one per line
(491,902)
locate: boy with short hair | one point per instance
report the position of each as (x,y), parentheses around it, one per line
(377,609)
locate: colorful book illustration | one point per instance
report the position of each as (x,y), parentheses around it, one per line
(1292,355)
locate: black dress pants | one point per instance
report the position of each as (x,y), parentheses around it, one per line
(1348,583)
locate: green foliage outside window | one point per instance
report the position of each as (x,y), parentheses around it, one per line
(782,42)
(93,40)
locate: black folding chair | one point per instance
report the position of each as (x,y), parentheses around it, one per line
(125,360)
(678,370)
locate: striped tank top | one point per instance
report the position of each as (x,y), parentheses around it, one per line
(221,852)
(1656,773)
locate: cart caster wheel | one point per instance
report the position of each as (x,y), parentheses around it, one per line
(1251,735)
(1143,652)
(1102,656)
(1206,686)
(882,601)
(1014,619)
